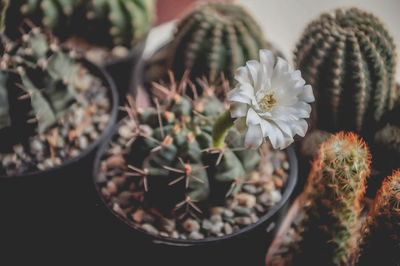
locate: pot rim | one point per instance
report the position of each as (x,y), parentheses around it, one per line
(157,239)
(101,73)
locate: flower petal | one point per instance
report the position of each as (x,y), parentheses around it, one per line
(307,94)
(252,117)
(240,124)
(267,60)
(254,137)
(254,68)
(242,75)
(237,95)
(299,127)
(238,109)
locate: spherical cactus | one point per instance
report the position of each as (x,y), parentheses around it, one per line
(382,239)
(173,149)
(215,38)
(349,58)
(101,22)
(55,15)
(326,229)
(118,23)
(37,86)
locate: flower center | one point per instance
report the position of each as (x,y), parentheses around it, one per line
(267,102)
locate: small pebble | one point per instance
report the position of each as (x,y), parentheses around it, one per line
(228,213)
(206,224)
(111,187)
(246,200)
(243,220)
(228,228)
(174,234)
(216,210)
(242,211)
(118,210)
(196,235)
(216,218)
(116,161)
(217,227)
(167,224)
(149,228)
(191,225)
(250,189)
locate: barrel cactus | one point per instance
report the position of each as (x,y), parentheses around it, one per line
(326,229)
(349,58)
(172,150)
(382,240)
(215,38)
(37,86)
(123,22)
(104,22)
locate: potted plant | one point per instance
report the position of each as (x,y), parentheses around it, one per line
(55,111)
(349,57)
(211,38)
(331,222)
(182,176)
(109,33)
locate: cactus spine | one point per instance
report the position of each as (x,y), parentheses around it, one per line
(327,226)
(101,22)
(215,38)
(382,240)
(349,58)
(173,149)
(37,86)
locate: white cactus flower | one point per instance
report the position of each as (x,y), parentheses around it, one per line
(271,100)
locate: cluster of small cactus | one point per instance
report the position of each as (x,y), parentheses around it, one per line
(215,38)
(105,22)
(328,223)
(173,151)
(37,86)
(349,58)
(382,239)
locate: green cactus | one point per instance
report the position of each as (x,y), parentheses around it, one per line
(37,86)
(125,22)
(349,58)
(175,151)
(215,38)
(326,229)
(101,22)
(382,239)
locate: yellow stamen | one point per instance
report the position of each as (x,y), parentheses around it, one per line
(268,102)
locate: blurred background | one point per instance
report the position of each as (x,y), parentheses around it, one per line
(283,21)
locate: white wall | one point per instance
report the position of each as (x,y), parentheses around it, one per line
(284,20)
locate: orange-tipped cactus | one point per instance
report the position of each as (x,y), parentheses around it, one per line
(382,240)
(325,228)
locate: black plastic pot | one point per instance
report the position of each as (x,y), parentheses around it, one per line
(124,239)
(121,71)
(49,207)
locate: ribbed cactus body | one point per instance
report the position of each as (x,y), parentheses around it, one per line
(327,226)
(37,86)
(101,22)
(349,58)
(215,38)
(124,22)
(177,155)
(382,240)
